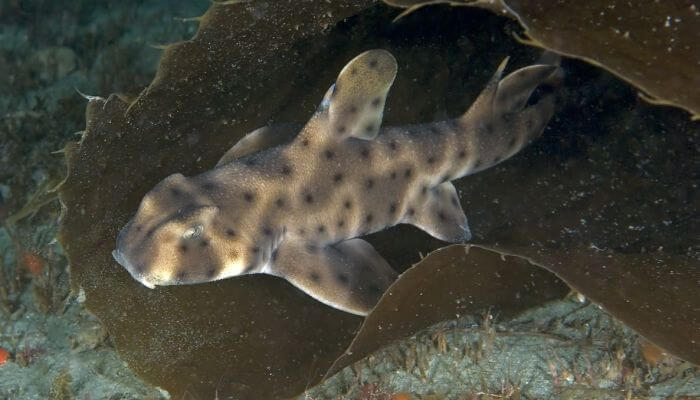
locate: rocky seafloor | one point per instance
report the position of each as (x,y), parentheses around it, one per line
(48,51)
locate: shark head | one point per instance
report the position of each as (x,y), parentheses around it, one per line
(177,237)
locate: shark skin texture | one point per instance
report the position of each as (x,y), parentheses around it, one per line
(294,203)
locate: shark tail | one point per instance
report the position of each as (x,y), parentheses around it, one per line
(501,122)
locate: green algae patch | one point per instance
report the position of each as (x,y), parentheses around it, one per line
(653,45)
(575,193)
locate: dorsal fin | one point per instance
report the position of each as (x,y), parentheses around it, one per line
(260,139)
(355,102)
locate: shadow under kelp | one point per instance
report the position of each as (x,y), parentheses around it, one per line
(653,45)
(255,63)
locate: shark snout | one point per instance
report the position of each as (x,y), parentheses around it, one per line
(124,262)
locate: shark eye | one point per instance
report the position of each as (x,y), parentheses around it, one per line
(193,232)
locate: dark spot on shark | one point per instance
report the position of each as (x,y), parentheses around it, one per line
(369,183)
(302,231)
(249,197)
(204,243)
(461,154)
(337,177)
(488,127)
(321,229)
(267,231)
(455,202)
(369,217)
(286,170)
(315,277)
(445,178)
(392,175)
(210,273)
(279,202)
(364,152)
(352,109)
(347,204)
(511,143)
(411,211)
(340,223)
(273,256)
(430,160)
(342,278)
(175,192)
(478,163)
(341,129)
(373,63)
(441,216)
(529,123)
(308,198)
(424,190)
(255,249)
(311,248)
(369,128)
(329,154)
(230,232)
(250,162)
(392,145)
(183,248)
(305,142)
(376,102)
(209,186)
(392,208)
(353,71)
(407,173)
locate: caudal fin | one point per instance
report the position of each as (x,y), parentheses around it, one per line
(500,121)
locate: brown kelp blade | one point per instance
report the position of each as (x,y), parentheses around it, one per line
(449,282)
(247,338)
(250,64)
(653,45)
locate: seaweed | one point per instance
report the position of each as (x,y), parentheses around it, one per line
(653,45)
(566,204)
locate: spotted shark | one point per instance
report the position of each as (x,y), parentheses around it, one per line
(293,202)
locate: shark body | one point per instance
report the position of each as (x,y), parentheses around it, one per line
(293,203)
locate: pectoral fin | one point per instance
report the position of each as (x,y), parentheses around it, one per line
(259,139)
(356,101)
(350,276)
(441,214)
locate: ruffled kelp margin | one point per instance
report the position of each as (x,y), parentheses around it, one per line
(596,201)
(653,45)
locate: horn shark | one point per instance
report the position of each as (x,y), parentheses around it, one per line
(293,202)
